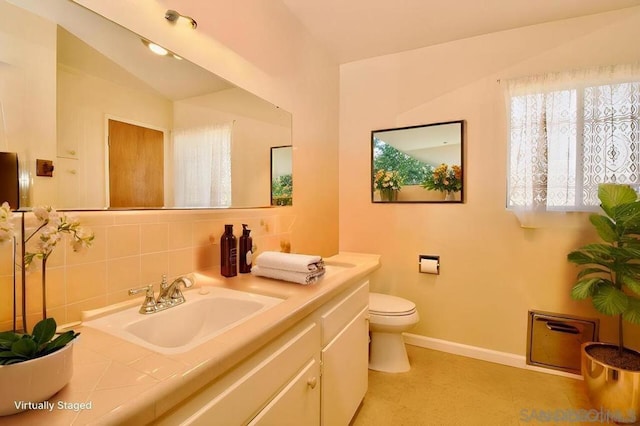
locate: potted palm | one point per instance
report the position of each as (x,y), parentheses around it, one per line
(610,277)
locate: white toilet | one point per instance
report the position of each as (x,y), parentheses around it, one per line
(389,316)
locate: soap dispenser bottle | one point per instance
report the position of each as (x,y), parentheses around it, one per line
(246,244)
(228,253)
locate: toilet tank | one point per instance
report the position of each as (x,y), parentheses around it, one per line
(554,340)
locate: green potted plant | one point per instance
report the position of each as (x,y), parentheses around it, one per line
(610,277)
(33,367)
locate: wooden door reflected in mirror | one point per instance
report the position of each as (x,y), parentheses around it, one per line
(136,166)
(418,164)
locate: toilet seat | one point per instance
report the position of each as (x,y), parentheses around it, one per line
(387,305)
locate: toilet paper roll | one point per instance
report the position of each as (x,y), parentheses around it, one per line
(429,266)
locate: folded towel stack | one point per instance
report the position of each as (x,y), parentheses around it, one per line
(297,268)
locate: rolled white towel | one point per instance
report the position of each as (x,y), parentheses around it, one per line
(289,261)
(291,276)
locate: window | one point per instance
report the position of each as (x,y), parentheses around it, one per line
(202,161)
(569,132)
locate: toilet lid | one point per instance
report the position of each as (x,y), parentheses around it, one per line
(385,304)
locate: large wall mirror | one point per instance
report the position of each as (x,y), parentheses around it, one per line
(418,164)
(82,91)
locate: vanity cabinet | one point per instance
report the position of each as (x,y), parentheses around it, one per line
(315,373)
(270,376)
(345,356)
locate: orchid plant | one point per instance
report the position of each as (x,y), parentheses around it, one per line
(52,226)
(50,230)
(6,226)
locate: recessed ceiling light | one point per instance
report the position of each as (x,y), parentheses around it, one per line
(158,50)
(155,48)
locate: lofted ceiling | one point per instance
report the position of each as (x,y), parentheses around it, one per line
(357,29)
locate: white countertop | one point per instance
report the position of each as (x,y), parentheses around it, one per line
(115,381)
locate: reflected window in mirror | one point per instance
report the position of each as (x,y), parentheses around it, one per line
(202,161)
(281,176)
(418,164)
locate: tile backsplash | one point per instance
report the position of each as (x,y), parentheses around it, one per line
(131,249)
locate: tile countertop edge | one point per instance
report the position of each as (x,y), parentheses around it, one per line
(161,398)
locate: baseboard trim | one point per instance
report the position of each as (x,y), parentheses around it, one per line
(504,358)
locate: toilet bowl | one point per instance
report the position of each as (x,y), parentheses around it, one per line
(389,316)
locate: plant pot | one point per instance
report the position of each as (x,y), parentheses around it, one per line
(35,380)
(389,194)
(613,391)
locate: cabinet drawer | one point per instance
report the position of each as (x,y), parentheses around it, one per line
(340,313)
(238,396)
(297,404)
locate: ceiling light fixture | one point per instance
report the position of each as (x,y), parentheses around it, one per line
(159,50)
(173,17)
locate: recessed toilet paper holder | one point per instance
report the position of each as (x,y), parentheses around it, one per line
(429,264)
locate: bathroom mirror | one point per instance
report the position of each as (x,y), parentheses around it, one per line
(78,72)
(418,164)
(281,176)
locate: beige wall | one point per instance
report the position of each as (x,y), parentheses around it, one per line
(492,270)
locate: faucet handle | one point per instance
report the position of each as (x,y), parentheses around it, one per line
(149,303)
(147,288)
(164,283)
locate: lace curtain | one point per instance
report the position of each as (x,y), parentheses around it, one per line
(202,166)
(570,131)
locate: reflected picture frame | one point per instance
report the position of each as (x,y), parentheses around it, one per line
(282,175)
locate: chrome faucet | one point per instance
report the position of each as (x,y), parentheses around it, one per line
(149,305)
(170,294)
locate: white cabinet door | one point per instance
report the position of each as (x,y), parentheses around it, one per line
(344,371)
(297,404)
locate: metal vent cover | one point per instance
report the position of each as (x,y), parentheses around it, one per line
(554,340)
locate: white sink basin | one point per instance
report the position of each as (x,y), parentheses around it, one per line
(207,313)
